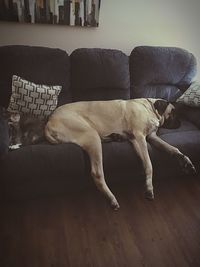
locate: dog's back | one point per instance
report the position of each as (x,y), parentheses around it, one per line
(105,117)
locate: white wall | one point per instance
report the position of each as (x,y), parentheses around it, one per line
(123,25)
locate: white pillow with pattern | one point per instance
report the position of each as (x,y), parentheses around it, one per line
(191,97)
(37,100)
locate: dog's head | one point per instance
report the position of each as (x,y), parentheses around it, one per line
(169,114)
(24,129)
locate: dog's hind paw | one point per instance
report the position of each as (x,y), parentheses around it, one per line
(149,195)
(115,205)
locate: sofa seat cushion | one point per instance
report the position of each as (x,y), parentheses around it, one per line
(187,142)
(42,169)
(186,138)
(191,114)
(121,162)
(186,125)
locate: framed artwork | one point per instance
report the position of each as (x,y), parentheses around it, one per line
(61,12)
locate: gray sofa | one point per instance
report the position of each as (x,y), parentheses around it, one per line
(95,74)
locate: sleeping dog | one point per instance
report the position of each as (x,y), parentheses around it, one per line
(136,120)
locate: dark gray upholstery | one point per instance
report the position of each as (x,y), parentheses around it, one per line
(192,114)
(161,72)
(51,169)
(40,65)
(186,138)
(99,74)
(4,136)
(31,169)
(94,74)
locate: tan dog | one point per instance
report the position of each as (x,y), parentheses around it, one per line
(87,123)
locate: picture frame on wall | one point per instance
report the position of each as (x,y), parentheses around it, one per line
(60,12)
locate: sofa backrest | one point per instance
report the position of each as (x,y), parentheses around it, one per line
(99,74)
(40,65)
(160,72)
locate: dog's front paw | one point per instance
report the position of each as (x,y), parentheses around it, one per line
(115,205)
(186,164)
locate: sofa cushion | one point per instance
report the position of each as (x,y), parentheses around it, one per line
(45,169)
(40,65)
(99,74)
(192,114)
(186,138)
(160,72)
(34,99)
(185,126)
(41,169)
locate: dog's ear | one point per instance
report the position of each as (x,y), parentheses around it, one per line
(161,105)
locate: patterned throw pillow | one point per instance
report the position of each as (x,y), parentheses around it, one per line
(37,100)
(191,97)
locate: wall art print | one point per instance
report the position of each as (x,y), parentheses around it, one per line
(65,12)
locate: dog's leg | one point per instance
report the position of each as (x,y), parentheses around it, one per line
(87,138)
(92,145)
(140,145)
(183,160)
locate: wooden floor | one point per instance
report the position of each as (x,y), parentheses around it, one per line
(82,230)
